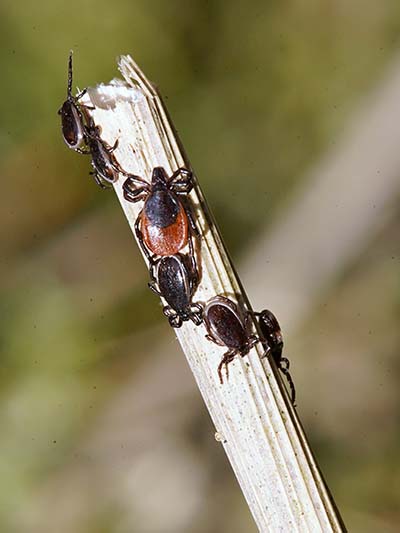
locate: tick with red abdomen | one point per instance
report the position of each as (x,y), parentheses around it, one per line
(165,224)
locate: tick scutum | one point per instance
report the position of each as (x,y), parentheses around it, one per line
(161,208)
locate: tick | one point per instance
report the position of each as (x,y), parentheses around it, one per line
(105,166)
(273,343)
(165,224)
(175,279)
(226,326)
(72,122)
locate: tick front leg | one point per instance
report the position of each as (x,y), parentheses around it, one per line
(181,181)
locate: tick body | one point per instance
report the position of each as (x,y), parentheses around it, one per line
(273,342)
(175,279)
(227,327)
(165,225)
(105,166)
(72,123)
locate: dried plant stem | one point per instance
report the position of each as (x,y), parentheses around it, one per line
(254,419)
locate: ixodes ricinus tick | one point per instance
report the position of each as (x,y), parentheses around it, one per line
(175,279)
(165,224)
(273,343)
(227,327)
(72,123)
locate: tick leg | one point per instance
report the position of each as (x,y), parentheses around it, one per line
(175,321)
(79,96)
(191,218)
(173,318)
(89,107)
(133,177)
(292,388)
(98,180)
(139,237)
(252,341)
(214,340)
(83,152)
(247,321)
(227,358)
(112,148)
(133,193)
(284,363)
(181,181)
(193,272)
(152,272)
(153,287)
(196,314)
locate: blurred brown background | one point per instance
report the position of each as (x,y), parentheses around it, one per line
(102,429)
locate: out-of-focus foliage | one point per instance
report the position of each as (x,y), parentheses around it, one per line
(92,437)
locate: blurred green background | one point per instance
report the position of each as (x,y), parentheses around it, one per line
(99,432)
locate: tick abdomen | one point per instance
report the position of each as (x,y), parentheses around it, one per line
(162,238)
(71,124)
(227,327)
(173,284)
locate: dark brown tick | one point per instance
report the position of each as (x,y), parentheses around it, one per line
(175,279)
(105,166)
(273,343)
(227,327)
(165,224)
(72,123)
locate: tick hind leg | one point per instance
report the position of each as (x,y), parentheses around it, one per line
(196,314)
(99,181)
(284,368)
(173,318)
(190,215)
(227,358)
